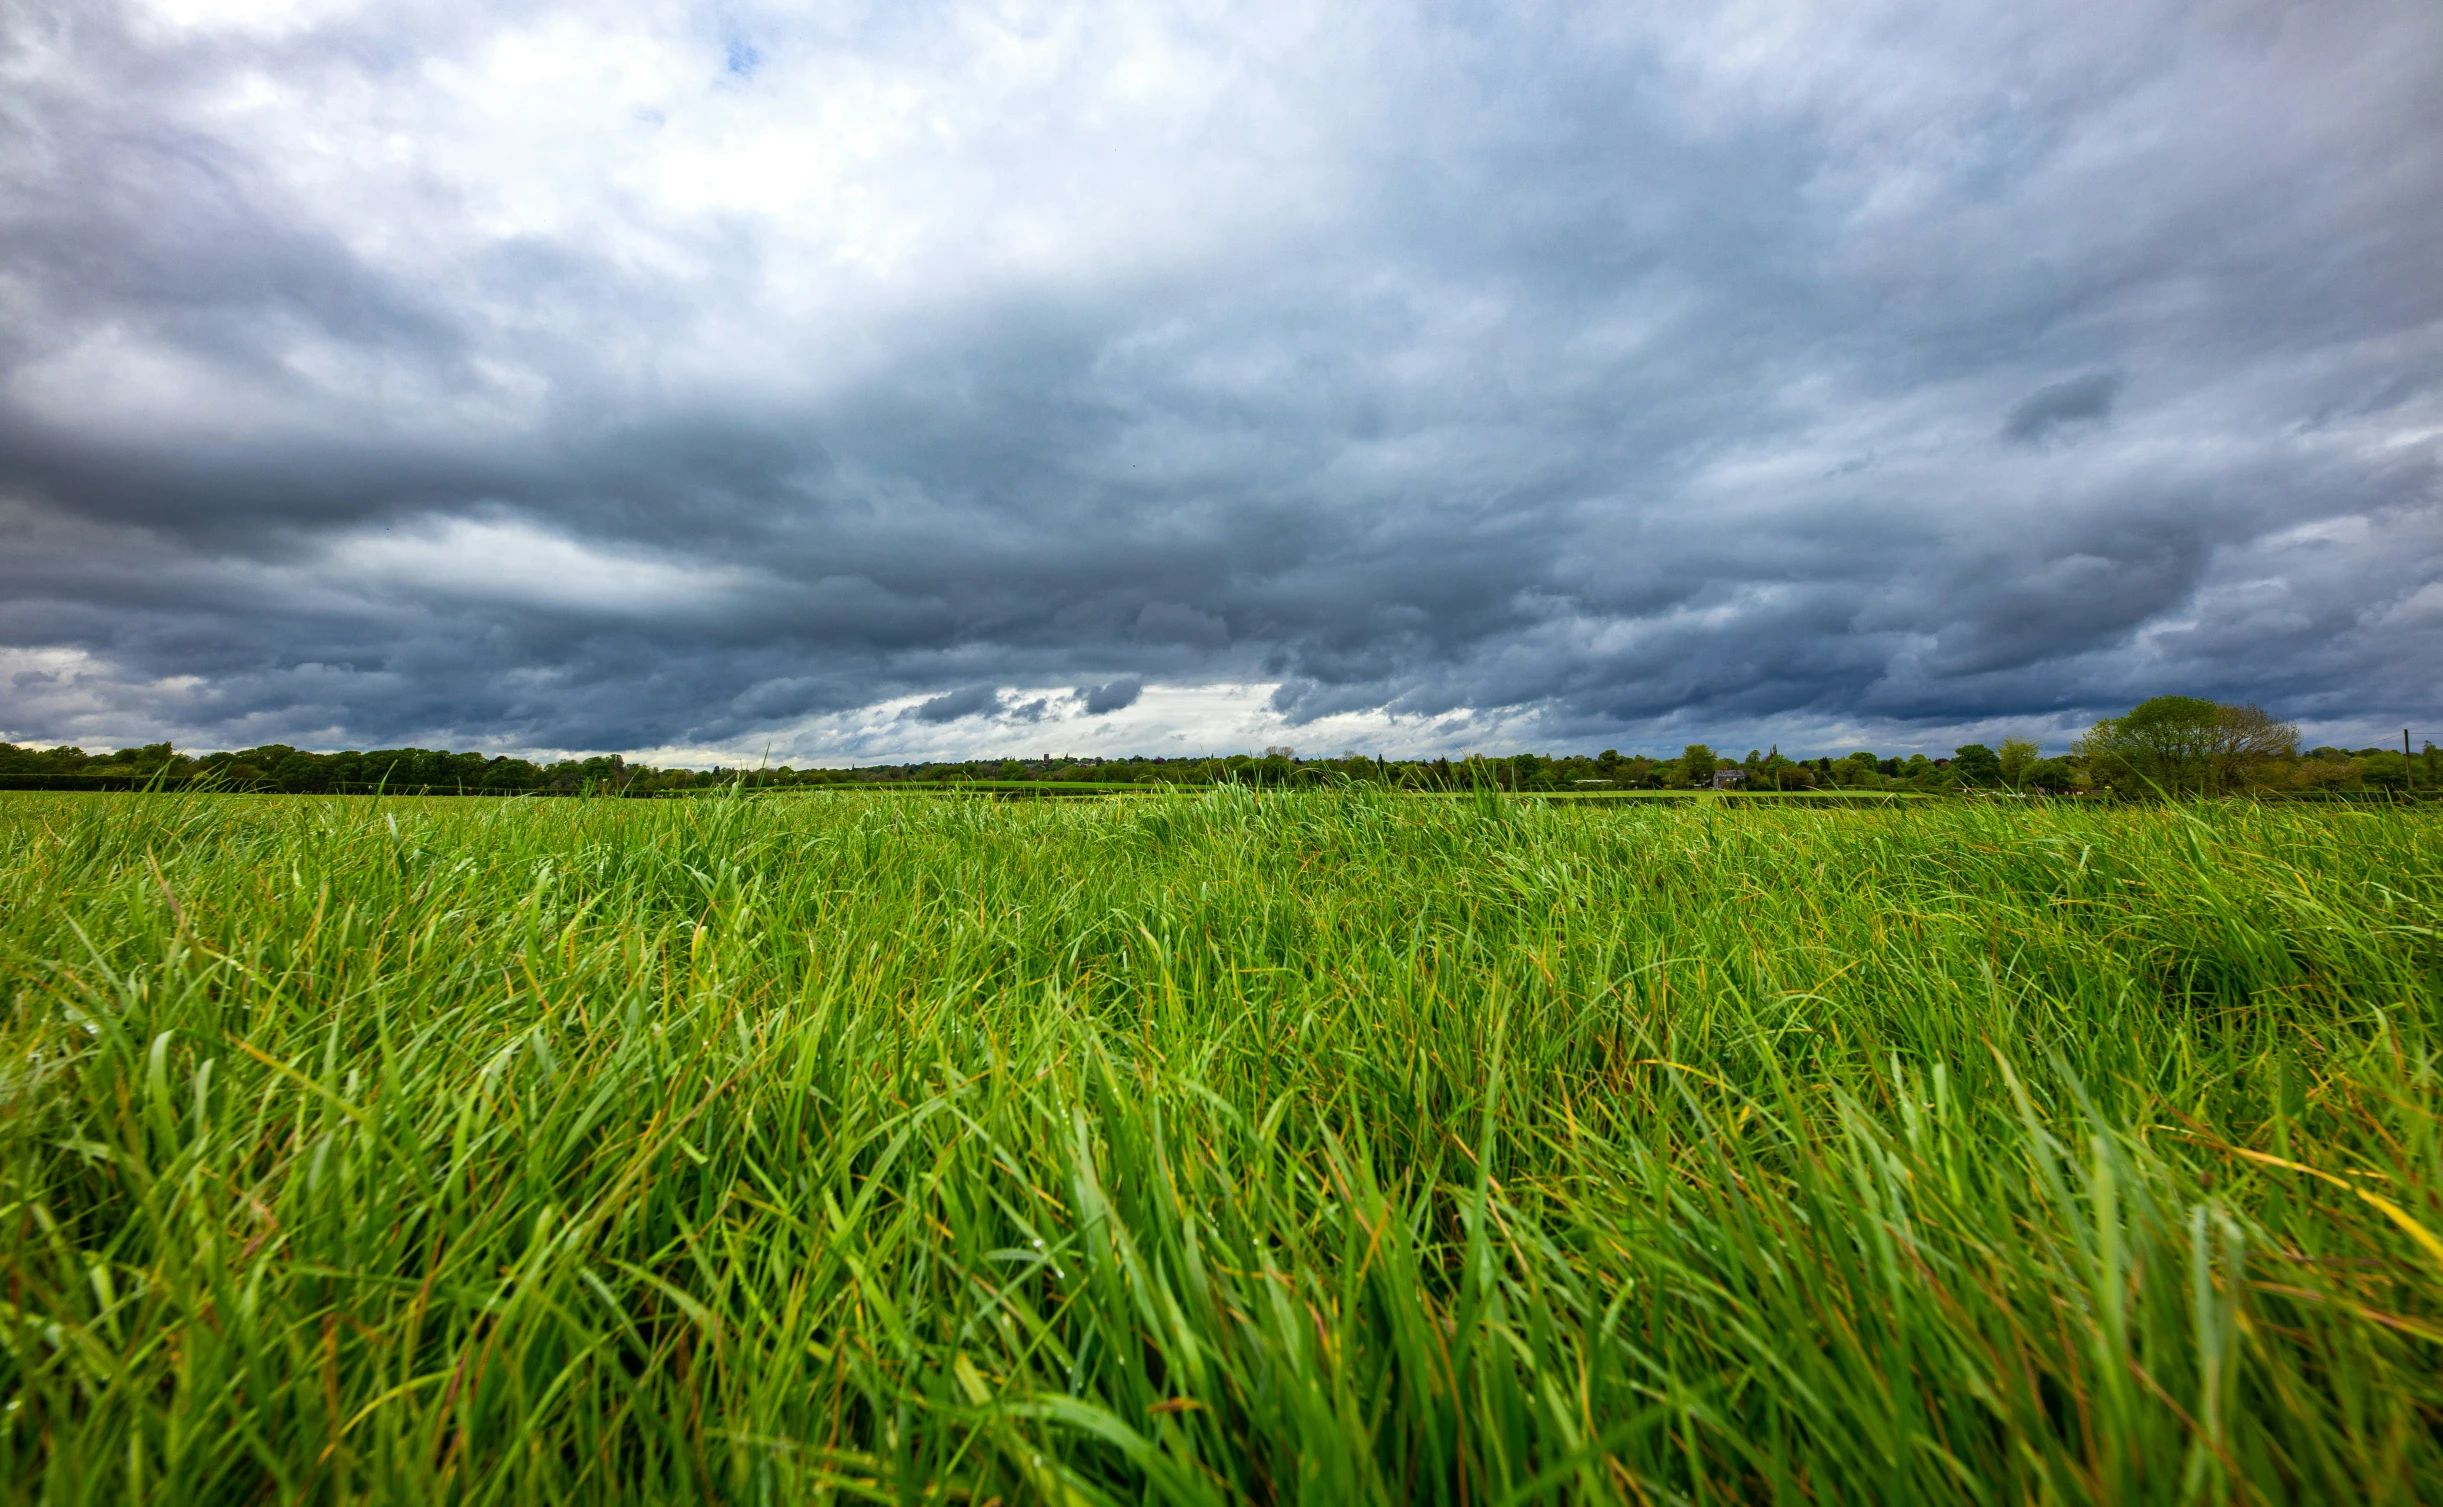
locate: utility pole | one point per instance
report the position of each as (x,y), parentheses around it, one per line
(2409,771)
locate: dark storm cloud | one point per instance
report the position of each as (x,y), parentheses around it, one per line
(620,377)
(2080,400)
(975,701)
(1112,696)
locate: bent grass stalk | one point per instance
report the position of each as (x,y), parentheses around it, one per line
(1217,1147)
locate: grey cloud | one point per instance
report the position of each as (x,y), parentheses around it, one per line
(979,701)
(1601,377)
(975,701)
(1178,623)
(2085,399)
(1111,696)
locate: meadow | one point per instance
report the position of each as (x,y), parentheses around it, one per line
(1218,1147)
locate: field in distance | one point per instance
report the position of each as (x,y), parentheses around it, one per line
(1218,1147)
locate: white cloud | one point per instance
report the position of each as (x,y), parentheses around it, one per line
(260,19)
(515,564)
(1173,721)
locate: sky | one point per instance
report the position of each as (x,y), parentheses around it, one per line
(832,383)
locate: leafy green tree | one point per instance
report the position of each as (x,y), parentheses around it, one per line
(146,760)
(302,771)
(65,758)
(1975,764)
(1859,771)
(1697,764)
(2050,774)
(2017,757)
(2175,745)
(2383,769)
(1788,774)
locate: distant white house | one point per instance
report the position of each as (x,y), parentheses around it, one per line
(1723,779)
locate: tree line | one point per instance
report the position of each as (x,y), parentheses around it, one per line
(2170,745)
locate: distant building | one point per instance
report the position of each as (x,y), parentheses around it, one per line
(1723,779)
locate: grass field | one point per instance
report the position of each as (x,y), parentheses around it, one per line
(1330,1148)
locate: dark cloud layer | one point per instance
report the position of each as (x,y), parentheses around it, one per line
(713,378)
(2064,404)
(1112,696)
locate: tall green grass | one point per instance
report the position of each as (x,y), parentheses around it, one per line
(1209,1148)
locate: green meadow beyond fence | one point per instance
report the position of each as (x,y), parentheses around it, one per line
(1218,1147)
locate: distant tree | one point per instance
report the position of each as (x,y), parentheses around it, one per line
(1975,764)
(1788,774)
(2248,740)
(2384,769)
(2326,769)
(301,771)
(145,760)
(1697,764)
(2017,757)
(507,774)
(2174,745)
(2161,746)
(2050,774)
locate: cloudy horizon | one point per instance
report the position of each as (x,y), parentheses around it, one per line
(729,382)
